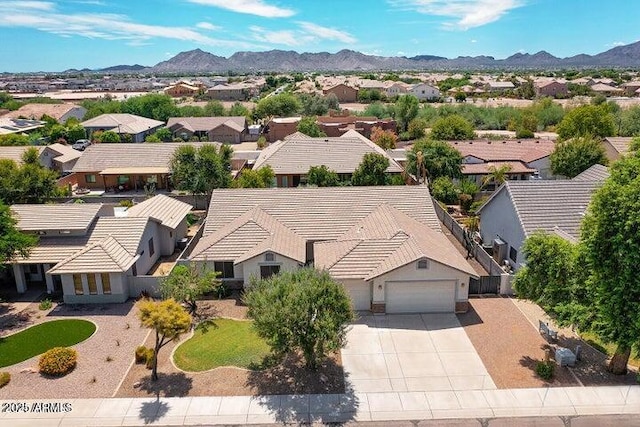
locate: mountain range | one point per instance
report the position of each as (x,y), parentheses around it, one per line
(199,61)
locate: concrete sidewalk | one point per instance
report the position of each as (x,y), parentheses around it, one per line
(326,408)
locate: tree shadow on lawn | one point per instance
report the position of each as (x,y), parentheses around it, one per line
(293,393)
(167,385)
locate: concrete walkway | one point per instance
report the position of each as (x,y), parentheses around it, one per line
(382,406)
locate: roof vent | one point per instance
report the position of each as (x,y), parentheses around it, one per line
(488,142)
(504,142)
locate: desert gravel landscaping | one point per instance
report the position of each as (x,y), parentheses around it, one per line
(118,334)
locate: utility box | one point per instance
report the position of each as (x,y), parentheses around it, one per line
(565,357)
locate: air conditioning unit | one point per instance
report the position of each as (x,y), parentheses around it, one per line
(500,248)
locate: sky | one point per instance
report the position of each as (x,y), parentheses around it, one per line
(56,35)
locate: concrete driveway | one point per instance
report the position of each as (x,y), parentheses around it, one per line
(416,352)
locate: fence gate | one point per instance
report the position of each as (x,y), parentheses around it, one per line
(484,285)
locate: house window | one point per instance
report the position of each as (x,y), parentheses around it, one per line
(267,271)
(77,284)
(91,282)
(106,283)
(269,257)
(513,254)
(422,264)
(90,178)
(285,181)
(152,250)
(123,179)
(225,268)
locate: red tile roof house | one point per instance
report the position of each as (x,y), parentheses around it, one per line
(60,112)
(383,244)
(335,125)
(232,130)
(527,157)
(550,88)
(343,92)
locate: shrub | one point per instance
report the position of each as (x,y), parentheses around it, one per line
(149,361)
(125,203)
(444,190)
(141,354)
(545,370)
(58,361)
(476,205)
(524,133)
(5,377)
(45,304)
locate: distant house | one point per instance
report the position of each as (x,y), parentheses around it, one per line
(616,147)
(60,112)
(520,208)
(292,157)
(280,127)
(123,124)
(383,244)
(90,254)
(343,92)
(56,156)
(10,126)
(229,92)
(631,88)
(394,89)
(183,88)
(498,87)
(336,125)
(526,157)
(607,90)
(424,92)
(551,88)
(232,130)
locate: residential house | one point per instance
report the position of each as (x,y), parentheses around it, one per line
(606,90)
(10,126)
(616,147)
(498,87)
(552,88)
(336,125)
(631,88)
(229,92)
(280,127)
(343,92)
(56,156)
(136,127)
(526,157)
(183,88)
(292,157)
(520,208)
(424,92)
(232,130)
(383,244)
(60,112)
(92,256)
(394,89)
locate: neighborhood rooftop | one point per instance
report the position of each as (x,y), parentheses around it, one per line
(594,173)
(167,210)
(204,124)
(68,216)
(122,123)
(525,150)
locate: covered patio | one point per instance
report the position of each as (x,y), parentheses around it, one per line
(118,179)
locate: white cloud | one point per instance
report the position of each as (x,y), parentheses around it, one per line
(614,44)
(43,16)
(327,33)
(250,7)
(467,13)
(282,37)
(474,41)
(207,26)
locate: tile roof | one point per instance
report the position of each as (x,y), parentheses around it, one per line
(65,152)
(524,150)
(36,111)
(52,250)
(620,144)
(251,234)
(15,152)
(98,157)
(168,211)
(67,216)
(295,155)
(547,205)
(319,213)
(483,168)
(122,123)
(594,173)
(205,124)
(9,125)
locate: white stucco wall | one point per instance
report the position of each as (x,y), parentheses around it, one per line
(544,167)
(146,260)
(251,267)
(119,289)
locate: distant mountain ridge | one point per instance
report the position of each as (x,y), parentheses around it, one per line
(199,61)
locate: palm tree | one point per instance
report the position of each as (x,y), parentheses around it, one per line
(497,175)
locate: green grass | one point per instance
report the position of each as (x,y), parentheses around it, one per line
(608,349)
(223,342)
(40,338)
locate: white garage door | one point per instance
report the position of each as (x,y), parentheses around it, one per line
(360,294)
(421,297)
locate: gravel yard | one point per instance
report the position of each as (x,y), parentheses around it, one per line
(118,334)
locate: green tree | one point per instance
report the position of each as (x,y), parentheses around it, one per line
(377,109)
(239,110)
(453,127)
(444,190)
(109,137)
(29,182)
(587,120)
(610,237)
(371,171)
(201,170)
(405,109)
(322,176)
(281,105)
(569,158)
(309,126)
(13,139)
(433,159)
(75,133)
(163,134)
(417,128)
(187,284)
(385,139)
(497,175)
(13,243)
(168,320)
(154,106)
(214,109)
(251,178)
(303,310)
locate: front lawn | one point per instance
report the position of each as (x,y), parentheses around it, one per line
(40,338)
(608,349)
(222,342)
